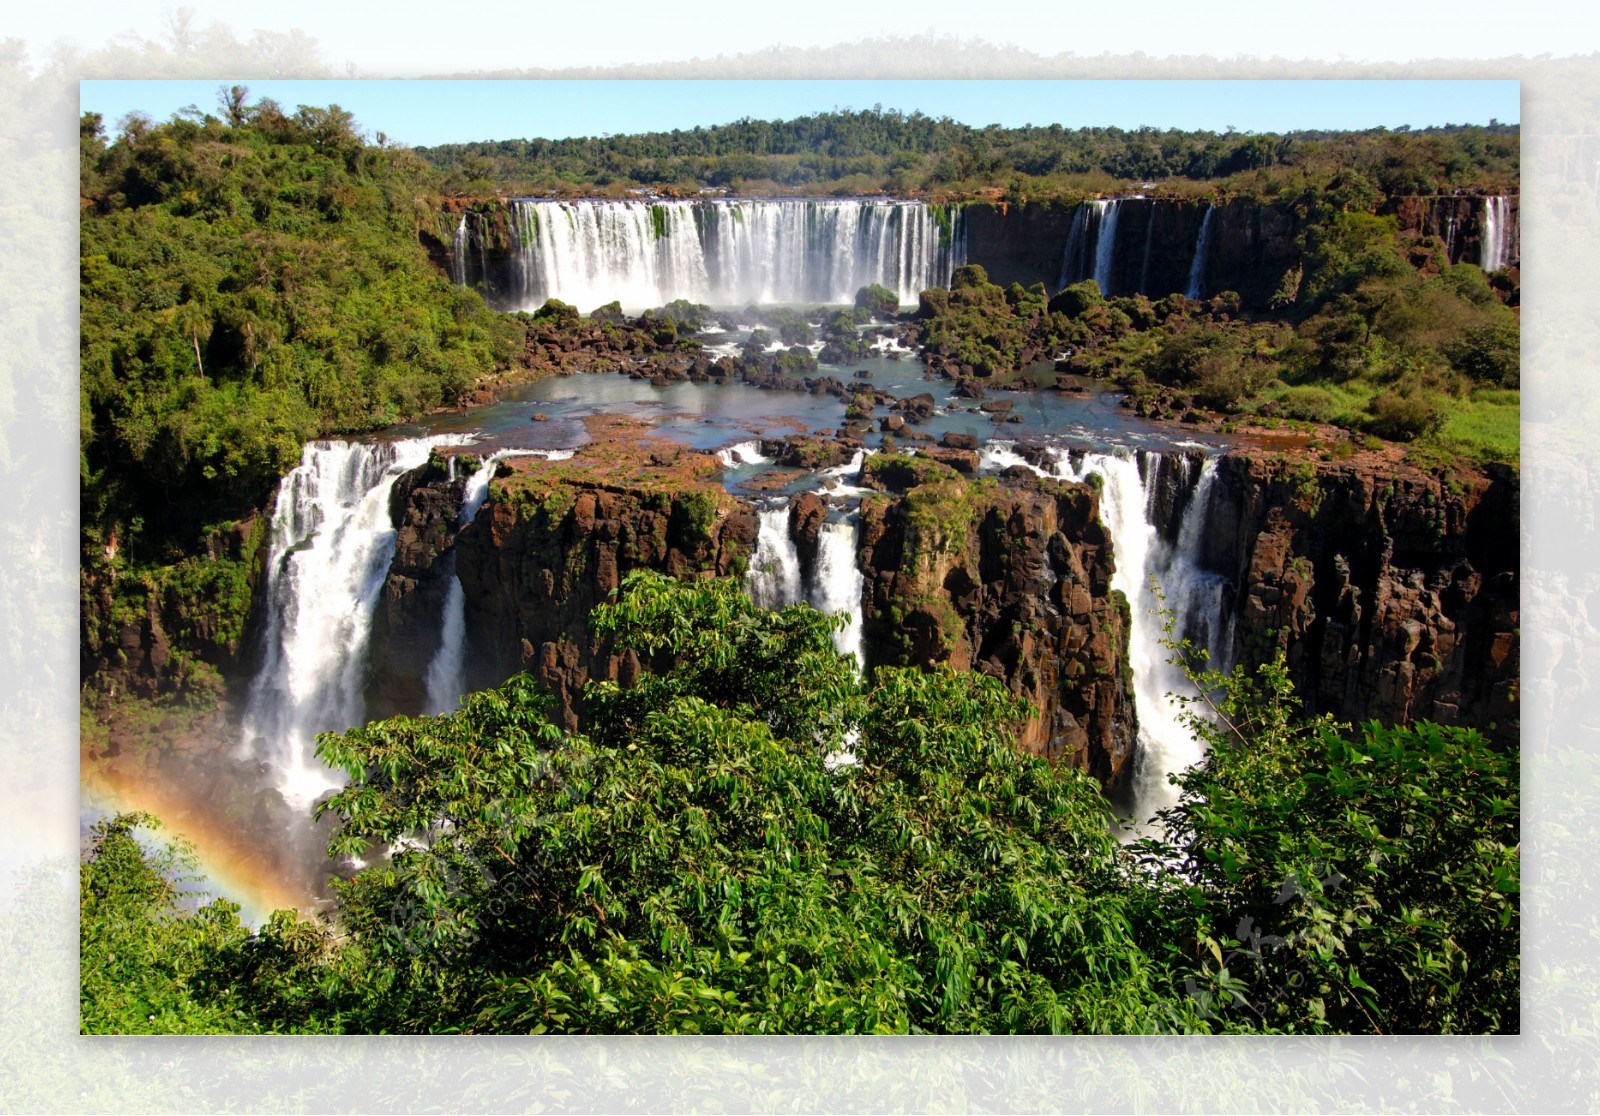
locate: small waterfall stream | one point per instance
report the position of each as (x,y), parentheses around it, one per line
(1105,242)
(1197,269)
(1195,597)
(1091,248)
(773,579)
(447,673)
(1495,248)
(837,584)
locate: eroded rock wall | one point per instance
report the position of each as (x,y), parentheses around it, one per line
(552,541)
(1393,593)
(1010,576)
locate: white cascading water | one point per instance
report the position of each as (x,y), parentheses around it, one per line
(1494,252)
(446,679)
(332,541)
(447,672)
(773,579)
(458,254)
(1149,242)
(1195,597)
(837,584)
(742,453)
(1166,744)
(1091,243)
(646,253)
(1105,242)
(1197,268)
(1075,256)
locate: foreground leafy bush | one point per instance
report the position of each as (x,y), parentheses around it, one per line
(750,839)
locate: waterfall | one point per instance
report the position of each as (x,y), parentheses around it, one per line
(742,453)
(647,253)
(1202,242)
(773,579)
(837,584)
(458,254)
(447,673)
(591,252)
(1091,244)
(446,679)
(1105,242)
(331,544)
(1149,241)
(1197,599)
(1074,258)
(1494,247)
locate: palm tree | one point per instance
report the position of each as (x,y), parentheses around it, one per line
(194,321)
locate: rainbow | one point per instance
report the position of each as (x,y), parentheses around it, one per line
(233,863)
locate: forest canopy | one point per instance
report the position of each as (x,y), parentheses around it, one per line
(873,150)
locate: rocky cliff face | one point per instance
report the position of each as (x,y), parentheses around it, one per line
(1393,593)
(1455,223)
(552,541)
(1018,243)
(423,505)
(1010,576)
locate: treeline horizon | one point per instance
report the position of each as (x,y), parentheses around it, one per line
(889,151)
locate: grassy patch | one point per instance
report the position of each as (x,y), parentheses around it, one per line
(1486,426)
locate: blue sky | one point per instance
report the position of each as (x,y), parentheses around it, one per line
(422,113)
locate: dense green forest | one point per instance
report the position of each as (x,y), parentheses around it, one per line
(248,282)
(1429,357)
(874,150)
(690,862)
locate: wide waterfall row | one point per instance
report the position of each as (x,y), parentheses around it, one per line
(332,541)
(729,252)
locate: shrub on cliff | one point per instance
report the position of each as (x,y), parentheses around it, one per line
(878,301)
(245,286)
(1405,416)
(693,862)
(1077,299)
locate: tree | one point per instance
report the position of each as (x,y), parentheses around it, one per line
(231,99)
(695,861)
(1342,881)
(750,839)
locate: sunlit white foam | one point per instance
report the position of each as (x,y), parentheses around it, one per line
(773,579)
(331,544)
(1193,596)
(742,453)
